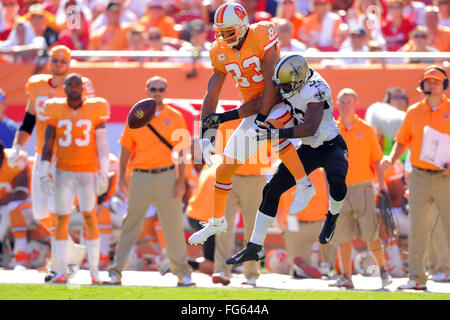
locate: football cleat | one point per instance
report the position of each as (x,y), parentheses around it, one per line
(113,280)
(249,281)
(327,232)
(49,276)
(60,278)
(95,278)
(386,278)
(305,192)
(212,227)
(412,285)
(251,252)
(220,277)
(343,282)
(186,282)
(21,259)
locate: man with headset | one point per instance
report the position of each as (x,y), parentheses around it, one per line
(428,184)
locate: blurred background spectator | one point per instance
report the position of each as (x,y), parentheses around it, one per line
(444,11)
(439,35)
(415,11)
(287,42)
(8,14)
(356,41)
(288,9)
(126,16)
(75,35)
(397,26)
(419,42)
(113,36)
(323,29)
(42,25)
(156,17)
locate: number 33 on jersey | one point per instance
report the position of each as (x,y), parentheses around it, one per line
(245,66)
(76,148)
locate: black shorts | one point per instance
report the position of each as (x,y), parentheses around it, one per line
(332,156)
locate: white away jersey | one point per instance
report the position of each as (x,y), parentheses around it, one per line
(316,89)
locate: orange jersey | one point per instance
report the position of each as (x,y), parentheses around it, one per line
(8,174)
(363,150)
(245,66)
(39,90)
(318,206)
(76,148)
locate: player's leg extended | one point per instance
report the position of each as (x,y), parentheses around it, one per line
(280,182)
(280,117)
(86,193)
(19,231)
(64,194)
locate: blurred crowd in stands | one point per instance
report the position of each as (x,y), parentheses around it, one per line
(29,27)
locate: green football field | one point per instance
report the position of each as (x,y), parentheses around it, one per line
(63,292)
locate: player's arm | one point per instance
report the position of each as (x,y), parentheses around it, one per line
(23,135)
(211,99)
(269,97)
(397,151)
(313,117)
(101,139)
(20,188)
(124,157)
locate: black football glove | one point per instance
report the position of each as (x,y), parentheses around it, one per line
(268,132)
(260,119)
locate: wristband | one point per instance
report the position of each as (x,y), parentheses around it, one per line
(229,115)
(260,118)
(286,133)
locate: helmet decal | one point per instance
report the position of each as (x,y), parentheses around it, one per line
(240,12)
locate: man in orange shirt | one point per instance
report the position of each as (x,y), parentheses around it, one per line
(156,177)
(39,88)
(76,131)
(428,183)
(114,35)
(359,217)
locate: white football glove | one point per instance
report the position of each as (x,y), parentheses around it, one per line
(207,150)
(102,182)
(46,183)
(14,155)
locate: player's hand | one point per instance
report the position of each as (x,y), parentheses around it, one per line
(102,182)
(179,188)
(267,132)
(211,121)
(207,150)
(46,185)
(14,155)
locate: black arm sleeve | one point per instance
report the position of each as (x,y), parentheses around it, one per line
(28,123)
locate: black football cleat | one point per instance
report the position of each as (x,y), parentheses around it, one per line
(327,232)
(253,252)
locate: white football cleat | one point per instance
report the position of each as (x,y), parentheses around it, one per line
(305,191)
(212,227)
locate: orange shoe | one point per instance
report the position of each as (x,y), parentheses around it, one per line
(95,279)
(60,278)
(21,259)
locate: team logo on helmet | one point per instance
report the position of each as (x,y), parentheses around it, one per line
(240,12)
(295,72)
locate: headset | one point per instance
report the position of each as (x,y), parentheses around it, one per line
(421,83)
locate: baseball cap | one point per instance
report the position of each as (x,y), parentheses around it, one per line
(433,73)
(61,51)
(36,8)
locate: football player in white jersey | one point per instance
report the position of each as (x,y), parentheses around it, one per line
(308,97)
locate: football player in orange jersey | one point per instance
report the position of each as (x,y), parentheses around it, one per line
(13,197)
(40,88)
(248,54)
(76,130)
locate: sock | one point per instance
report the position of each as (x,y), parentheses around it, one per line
(20,244)
(262,224)
(54,259)
(335,206)
(223,185)
(61,248)
(93,254)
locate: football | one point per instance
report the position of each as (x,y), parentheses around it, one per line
(141,113)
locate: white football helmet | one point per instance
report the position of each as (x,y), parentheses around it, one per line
(290,75)
(230,23)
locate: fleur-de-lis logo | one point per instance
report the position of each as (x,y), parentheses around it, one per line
(139,114)
(320,95)
(295,72)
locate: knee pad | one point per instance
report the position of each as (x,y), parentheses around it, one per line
(338,188)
